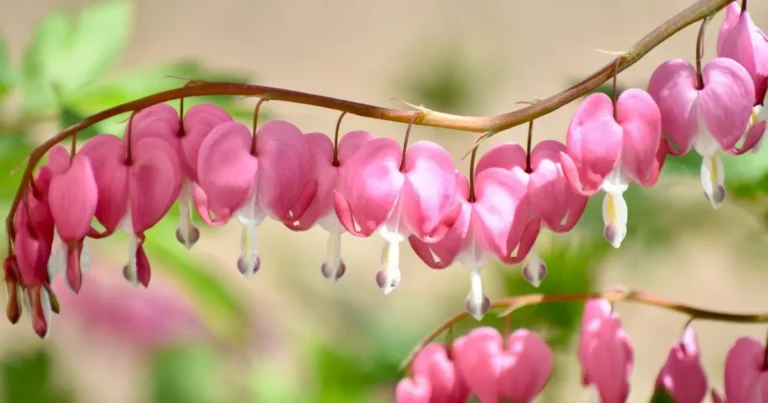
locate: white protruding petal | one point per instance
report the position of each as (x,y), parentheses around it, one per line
(186,232)
(57,263)
(534,270)
(333,268)
(45,303)
(476,295)
(389,276)
(130,271)
(594,395)
(249,251)
(615,218)
(713,180)
(705,144)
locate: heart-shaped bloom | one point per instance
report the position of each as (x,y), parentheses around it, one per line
(494,369)
(605,352)
(435,379)
(381,194)
(496,213)
(741,40)
(682,376)
(254,176)
(413,390)
(321,209)
(746,375)
(609,148)
(709,118)
(135,190)
(552,201)
(72,197)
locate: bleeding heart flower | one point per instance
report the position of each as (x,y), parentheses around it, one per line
(496,213)
(551,198)
(327,166)
(416,390)
(605,352)
(434,364)
(396,200)
(136,189)
(609,148)
(741,40)
(708,117)
(517,370)
(252,176)
(682,376)
(72,197)
(746,372)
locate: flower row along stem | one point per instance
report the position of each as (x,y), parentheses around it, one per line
(488,125)
(513,303)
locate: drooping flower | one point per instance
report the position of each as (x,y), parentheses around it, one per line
(252,176)
(136,189)
(72,197)
(380,193)
(413,390)
(552,201)
(707,114)
(741,40)
(682,376)
(605,352)
(494,219)
(494,369)
(435,378)
(328,165)
(746,373)
(610,147)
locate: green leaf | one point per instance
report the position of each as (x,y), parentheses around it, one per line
(14,149)
(7,74)
(688,164)
(221,309)
(28,378)
(186,374)
(65,54)
(69,117)
(661,396)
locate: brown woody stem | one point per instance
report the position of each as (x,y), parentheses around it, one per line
(513,303)
(480,124)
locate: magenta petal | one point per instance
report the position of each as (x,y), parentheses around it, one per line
(226,169)
(732,13)
(200,201)
(753,137)
(325,175)
(286,182)
(371,183)
(528,366)
(58,160)
(416,390)
(499,195)
(747,44)
(32,255)
(726,101)
(107,155)
(154,182)
(743,370)
(74,272)
(434,363)
(594,141)
(673,87)
(199,121)
(351,142)
(508,155)
(160,120)
(477,357)
(72,197)
(429,193)
(640,118)
(143,268)
(549,193)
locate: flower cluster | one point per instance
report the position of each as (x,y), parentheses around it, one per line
(365,185)
(493,369)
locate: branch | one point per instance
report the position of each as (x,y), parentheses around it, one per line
(513,303)
(481,124)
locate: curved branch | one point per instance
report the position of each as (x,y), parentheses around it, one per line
(513,303)
(480,124)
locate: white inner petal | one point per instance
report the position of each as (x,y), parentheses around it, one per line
(532,265)
(391,265)
(57,263)
(45,302)
(186,225)
(131,271)
(333,255)
(713,179)
(759,113)
(615,214)
(250,216)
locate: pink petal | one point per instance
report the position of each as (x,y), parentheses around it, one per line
(74,272)
(549,193)
(593,144)
(477,357)
(226,169)
(746,44)
(351,142)
(507,155)
(286,184)
(609,360)
(732,13)
(726,101)
(369,186)
(200,201)
(73,196)
(673,87)
(199,121)
(413,391)
(154,182)
(682,375)
(107,156)
(143,268)
(325,175)
(595,310)
(528,366)
(753,137)
(58,160)
(429,202)
(32,255)
(640,118)
(434,364)
(522,243)
(743,370)
(160,120)
(498,206)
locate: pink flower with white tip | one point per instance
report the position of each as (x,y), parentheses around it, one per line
(612,146)
(682,376)
(707,113)
(741,40)
(494,219)
(397,195)
(329,162)
(605,352)
(435,379)
(552,201)
(252,176)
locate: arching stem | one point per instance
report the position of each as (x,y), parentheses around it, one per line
(336,140)
(407,137)
(256,123)
(700,51)
(472,158)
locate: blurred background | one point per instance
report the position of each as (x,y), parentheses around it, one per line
(202,333)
